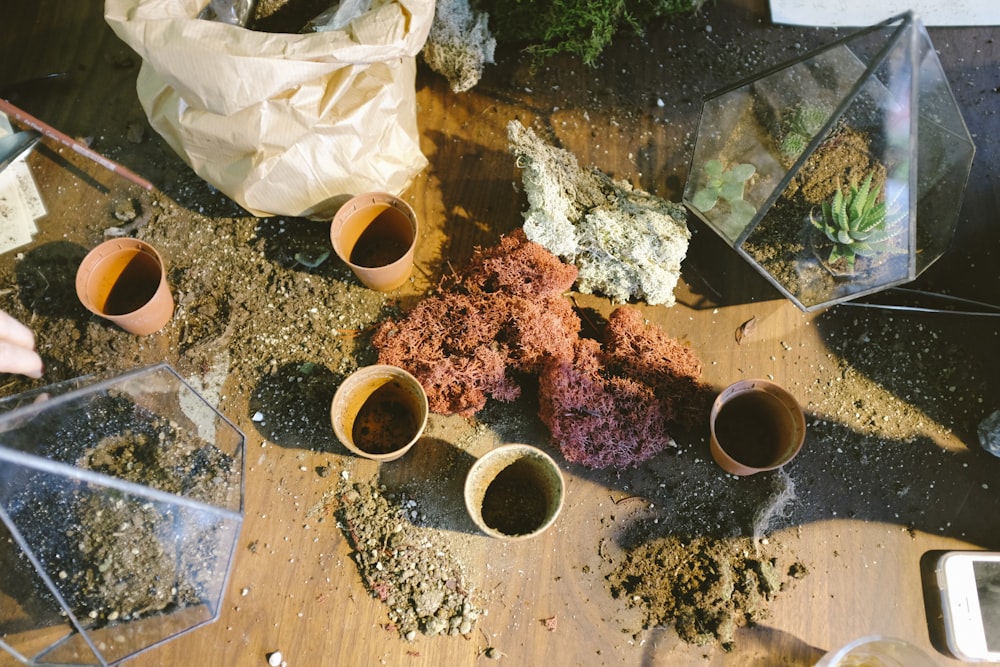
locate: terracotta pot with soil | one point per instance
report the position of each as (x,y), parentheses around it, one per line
(514,492)
(379,412)
(755,425)
(124,281)
(376,234)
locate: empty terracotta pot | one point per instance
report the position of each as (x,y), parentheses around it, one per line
(514,492)
(124,281)
(379,412)
(376,234)
(755,425)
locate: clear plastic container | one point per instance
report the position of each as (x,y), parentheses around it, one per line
(876,651)
(122,504)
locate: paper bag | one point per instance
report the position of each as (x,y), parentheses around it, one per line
(283,124)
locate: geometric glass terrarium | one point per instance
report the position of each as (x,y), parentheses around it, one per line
(840,173)
(122,503)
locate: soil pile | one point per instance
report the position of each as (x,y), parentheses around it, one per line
(410,569)
(705,587)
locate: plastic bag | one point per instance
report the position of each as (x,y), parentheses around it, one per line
(283,124)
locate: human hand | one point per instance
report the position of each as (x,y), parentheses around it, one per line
(17,348)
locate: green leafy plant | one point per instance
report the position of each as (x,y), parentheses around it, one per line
(729,186)
(579,27)
(858,223)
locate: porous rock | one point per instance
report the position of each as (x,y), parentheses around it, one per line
(459,44)
(626,243)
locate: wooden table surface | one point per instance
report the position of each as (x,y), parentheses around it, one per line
(633,116)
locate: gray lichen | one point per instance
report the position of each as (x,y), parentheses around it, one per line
(627,244)
(459,44)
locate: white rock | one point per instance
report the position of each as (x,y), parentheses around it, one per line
(626,243)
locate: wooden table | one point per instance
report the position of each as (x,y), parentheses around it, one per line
(634,116)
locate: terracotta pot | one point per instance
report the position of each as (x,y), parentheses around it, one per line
(375,234)
(379,412)
(124,281)
(514,492)
(755,425)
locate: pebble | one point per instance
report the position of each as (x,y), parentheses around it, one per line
(274,659)
(989,433)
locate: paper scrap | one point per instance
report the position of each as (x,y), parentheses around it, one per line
(21,202)
(860,13)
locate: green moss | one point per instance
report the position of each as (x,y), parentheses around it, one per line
(578,27)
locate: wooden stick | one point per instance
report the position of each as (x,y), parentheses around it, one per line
(51,132)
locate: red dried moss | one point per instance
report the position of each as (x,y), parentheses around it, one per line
(647,354)
(504,313)
(600,421)
(517,267)
(616,405)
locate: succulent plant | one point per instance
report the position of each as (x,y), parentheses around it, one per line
(801,123)
(858,223)
(727,185)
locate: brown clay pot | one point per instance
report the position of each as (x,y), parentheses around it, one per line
(379,412)
(514,492)
(124,281)
(376,234)
(755,425)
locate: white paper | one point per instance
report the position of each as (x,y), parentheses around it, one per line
(20,202)
(859,13)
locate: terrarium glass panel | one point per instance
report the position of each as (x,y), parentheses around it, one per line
(122,503)
(840,173)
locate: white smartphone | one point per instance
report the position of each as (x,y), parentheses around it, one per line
(970,601)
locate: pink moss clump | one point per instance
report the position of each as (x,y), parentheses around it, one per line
(503,314)
(615,405)
(517,267)
(600,421)
(647,354)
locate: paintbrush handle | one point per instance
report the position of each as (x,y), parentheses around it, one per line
(51,132)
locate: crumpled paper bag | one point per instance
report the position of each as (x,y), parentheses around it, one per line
(283,124)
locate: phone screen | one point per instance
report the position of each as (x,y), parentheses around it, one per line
(987,576)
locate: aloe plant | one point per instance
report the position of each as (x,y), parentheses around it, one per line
(726,185)
(858,223)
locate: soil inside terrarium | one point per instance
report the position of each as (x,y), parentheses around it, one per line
(796,254)
(116,556)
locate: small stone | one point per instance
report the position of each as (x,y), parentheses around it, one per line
(274,659)
(989,433)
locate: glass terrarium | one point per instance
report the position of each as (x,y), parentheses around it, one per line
(122,503)
(840,173)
